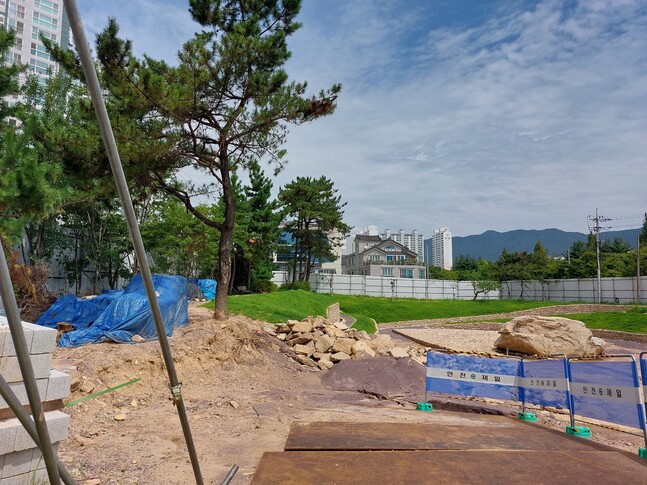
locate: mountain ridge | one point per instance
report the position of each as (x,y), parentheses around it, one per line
(490,244)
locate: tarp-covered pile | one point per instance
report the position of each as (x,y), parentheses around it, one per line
(120,315)
(207,286)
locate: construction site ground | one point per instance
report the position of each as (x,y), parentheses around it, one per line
(243,392)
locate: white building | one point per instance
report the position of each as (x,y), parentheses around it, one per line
(413,241)
(30,19)
(441,242)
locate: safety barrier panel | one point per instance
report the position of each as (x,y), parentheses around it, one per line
(606,390)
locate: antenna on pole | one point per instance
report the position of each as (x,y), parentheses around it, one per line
(597,228)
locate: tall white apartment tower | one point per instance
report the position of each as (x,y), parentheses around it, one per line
(29,19)
(413,241)
(441,242)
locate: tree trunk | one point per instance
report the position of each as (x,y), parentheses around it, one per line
(225,251)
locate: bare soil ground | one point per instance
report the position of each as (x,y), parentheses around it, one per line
(242,391)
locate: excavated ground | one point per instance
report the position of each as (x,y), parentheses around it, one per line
(242,391)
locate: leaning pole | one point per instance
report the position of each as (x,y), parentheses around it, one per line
(94,88)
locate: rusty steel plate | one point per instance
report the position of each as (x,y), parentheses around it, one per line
(447,467)
(427,436)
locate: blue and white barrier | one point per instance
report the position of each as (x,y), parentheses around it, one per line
(608,390)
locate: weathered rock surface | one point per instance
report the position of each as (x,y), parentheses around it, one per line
(544,336)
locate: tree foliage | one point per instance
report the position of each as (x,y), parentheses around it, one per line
(314,219)
(226,105)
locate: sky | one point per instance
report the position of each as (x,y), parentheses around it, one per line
(467,114)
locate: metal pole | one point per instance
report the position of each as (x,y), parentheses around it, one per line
(27,370)
(638,271)
(129,212)
(23,416)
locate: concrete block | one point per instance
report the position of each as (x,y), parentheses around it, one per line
(58,385)
(10,369)
(17,463)
(8,431)
(58,424)
(43,340)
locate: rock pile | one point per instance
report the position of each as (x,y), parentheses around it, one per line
(319,342)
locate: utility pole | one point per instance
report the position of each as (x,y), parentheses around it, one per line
(596,229)
(638,270)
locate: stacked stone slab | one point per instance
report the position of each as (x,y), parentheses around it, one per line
(318,342)
(21,461)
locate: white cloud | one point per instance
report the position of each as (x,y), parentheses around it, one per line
(530,116)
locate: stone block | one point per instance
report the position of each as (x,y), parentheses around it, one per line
(343,345)
(4,334)
(43,340)
(10,349)
(333,314)
(58,385)
(38,462)
(8,431)
(10,369)
(24,479)
(17,463)
(302,327)
(58,424)
(20,391)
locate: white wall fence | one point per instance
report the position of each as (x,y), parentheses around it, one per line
(396,287)
(612,290)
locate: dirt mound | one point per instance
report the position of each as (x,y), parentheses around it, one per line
(383,377)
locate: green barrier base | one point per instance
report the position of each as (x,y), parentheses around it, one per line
(527,416)
(642,453)
(580,431)
(424,406)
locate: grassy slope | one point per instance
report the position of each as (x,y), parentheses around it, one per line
(634,320)
(295,305)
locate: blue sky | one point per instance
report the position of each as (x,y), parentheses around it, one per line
(466,114)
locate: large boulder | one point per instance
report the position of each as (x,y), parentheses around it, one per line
(544,336)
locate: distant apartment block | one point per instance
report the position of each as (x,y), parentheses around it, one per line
(30,19)
(413,241)
(441,242)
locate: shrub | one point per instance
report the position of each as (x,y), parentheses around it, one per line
(265,286)
(297,285)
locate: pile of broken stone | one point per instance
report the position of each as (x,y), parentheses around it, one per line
(321,343)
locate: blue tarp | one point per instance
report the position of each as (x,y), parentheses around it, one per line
(208,288)
(129,314)
(80,312)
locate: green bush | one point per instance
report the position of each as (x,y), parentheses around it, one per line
(265,286)
(297,285)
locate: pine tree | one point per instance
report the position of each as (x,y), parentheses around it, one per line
(226,105)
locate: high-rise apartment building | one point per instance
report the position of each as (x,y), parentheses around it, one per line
(441,241)
(413,241)
(30,19)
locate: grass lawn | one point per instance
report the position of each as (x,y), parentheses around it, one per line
(281,306)
(634,320)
